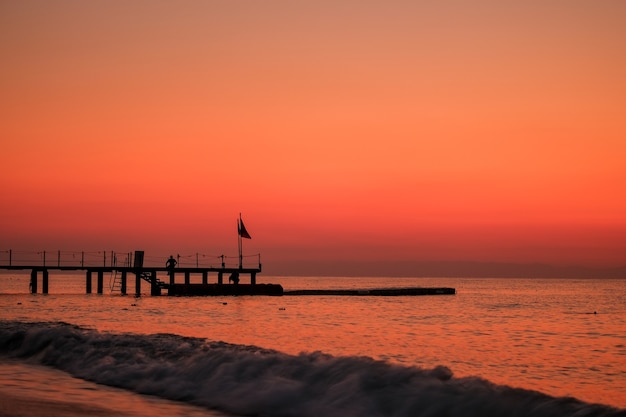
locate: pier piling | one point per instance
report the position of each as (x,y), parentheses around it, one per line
(88,282)
(44,281)
(100,281)
(138,284)
(154,288)
(123,283)
(33,281)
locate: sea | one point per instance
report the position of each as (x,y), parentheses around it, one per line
(498,347)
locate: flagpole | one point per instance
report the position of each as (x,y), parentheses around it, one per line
(240,242)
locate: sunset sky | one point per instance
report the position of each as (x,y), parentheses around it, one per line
(345,132)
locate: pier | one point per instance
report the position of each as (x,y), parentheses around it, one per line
(128,265)
(220,275)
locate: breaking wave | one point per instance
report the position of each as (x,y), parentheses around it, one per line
(248,380)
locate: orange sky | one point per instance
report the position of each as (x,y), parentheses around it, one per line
(343,131)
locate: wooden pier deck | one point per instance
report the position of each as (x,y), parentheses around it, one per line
(133,265)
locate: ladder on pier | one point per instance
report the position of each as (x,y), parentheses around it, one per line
(115,282)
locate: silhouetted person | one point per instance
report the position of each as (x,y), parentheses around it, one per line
(171,263)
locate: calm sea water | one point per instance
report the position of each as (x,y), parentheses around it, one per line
(324,355)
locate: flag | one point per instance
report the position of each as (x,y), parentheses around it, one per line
(242,230)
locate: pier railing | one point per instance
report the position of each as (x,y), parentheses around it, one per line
(125,263)
(15,259)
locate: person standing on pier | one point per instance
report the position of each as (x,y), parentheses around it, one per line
(171,264)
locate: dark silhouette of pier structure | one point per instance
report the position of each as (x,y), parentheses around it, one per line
(133,265)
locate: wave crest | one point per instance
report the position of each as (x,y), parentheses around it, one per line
(249,380)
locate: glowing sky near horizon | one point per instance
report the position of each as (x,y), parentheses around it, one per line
(403,130)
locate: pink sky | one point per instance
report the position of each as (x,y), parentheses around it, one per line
(343,131)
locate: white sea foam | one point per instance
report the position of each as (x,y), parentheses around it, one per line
(248,380)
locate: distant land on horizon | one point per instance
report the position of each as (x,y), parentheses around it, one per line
(450,269)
